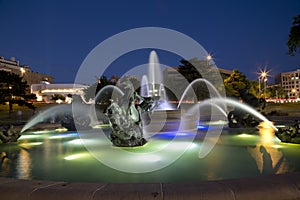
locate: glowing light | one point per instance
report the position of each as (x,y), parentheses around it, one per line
(263,74)
(76,156)
(277,146)
(63,136)
(280,126)
(201,127)
(42,131)
(61,130)
(102,126)
(28,145)
(172,134)
(267,134)
(76,142)
(244,135)
(25,137)
(208,57)
(219,122)
(34,143)
(24,165)
(22,71)
(265,125)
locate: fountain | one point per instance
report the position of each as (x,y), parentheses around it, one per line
(134,121)
(125,117)
(153,84)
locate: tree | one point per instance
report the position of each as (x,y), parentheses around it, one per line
(277,91)
(194,69)
(135,81)
(294,37)
(254,88)
(14,90)
(90,92)
(188,70)
(235,82)
(56,97)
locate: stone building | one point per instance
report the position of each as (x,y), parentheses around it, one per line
(290,81)
(29,76)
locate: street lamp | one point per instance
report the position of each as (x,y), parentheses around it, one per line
(208,59)
(263,76)
(22,71)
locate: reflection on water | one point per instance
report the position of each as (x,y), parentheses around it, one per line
(268,158)
(24,165)
(5,164)
(62,156)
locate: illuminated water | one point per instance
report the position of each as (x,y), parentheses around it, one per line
(61,156)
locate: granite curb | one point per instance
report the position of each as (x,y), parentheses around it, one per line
(285,186)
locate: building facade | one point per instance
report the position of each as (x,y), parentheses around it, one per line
(24,71)
(45,91)
(290,82)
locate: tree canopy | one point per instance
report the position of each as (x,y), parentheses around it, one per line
(14,90)
(235,82)
(294,37)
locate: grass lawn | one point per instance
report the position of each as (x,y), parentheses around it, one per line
(292,109)
(20,114)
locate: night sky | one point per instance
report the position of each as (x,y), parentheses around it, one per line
(54,37)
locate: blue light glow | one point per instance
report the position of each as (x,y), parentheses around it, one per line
(202,127)
(172,134)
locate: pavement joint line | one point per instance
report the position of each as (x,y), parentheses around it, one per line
(230,189)
(98,189)
(161,191)
(41,187)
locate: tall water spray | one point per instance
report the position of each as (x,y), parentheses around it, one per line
(154,75)
(154,83)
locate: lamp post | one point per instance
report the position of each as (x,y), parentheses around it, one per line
(22,71)
(208,58)
(10,100)
(265,87)
(259,87)
(262,82)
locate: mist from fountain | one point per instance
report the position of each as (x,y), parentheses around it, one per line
(154,84)
(154,74)
(212,90)
(242,106)
(111,89)
(213,135)
(48,114)
(144,87)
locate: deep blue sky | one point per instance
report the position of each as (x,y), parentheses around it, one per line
(54,37)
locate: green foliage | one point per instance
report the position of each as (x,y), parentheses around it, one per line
(277,91)
(194,69)
(90,92)
(254,88)
(55,97)
(294,37)
(14,90)
(235,82)
(188,70)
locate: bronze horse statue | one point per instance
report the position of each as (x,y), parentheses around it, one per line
(241,119)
